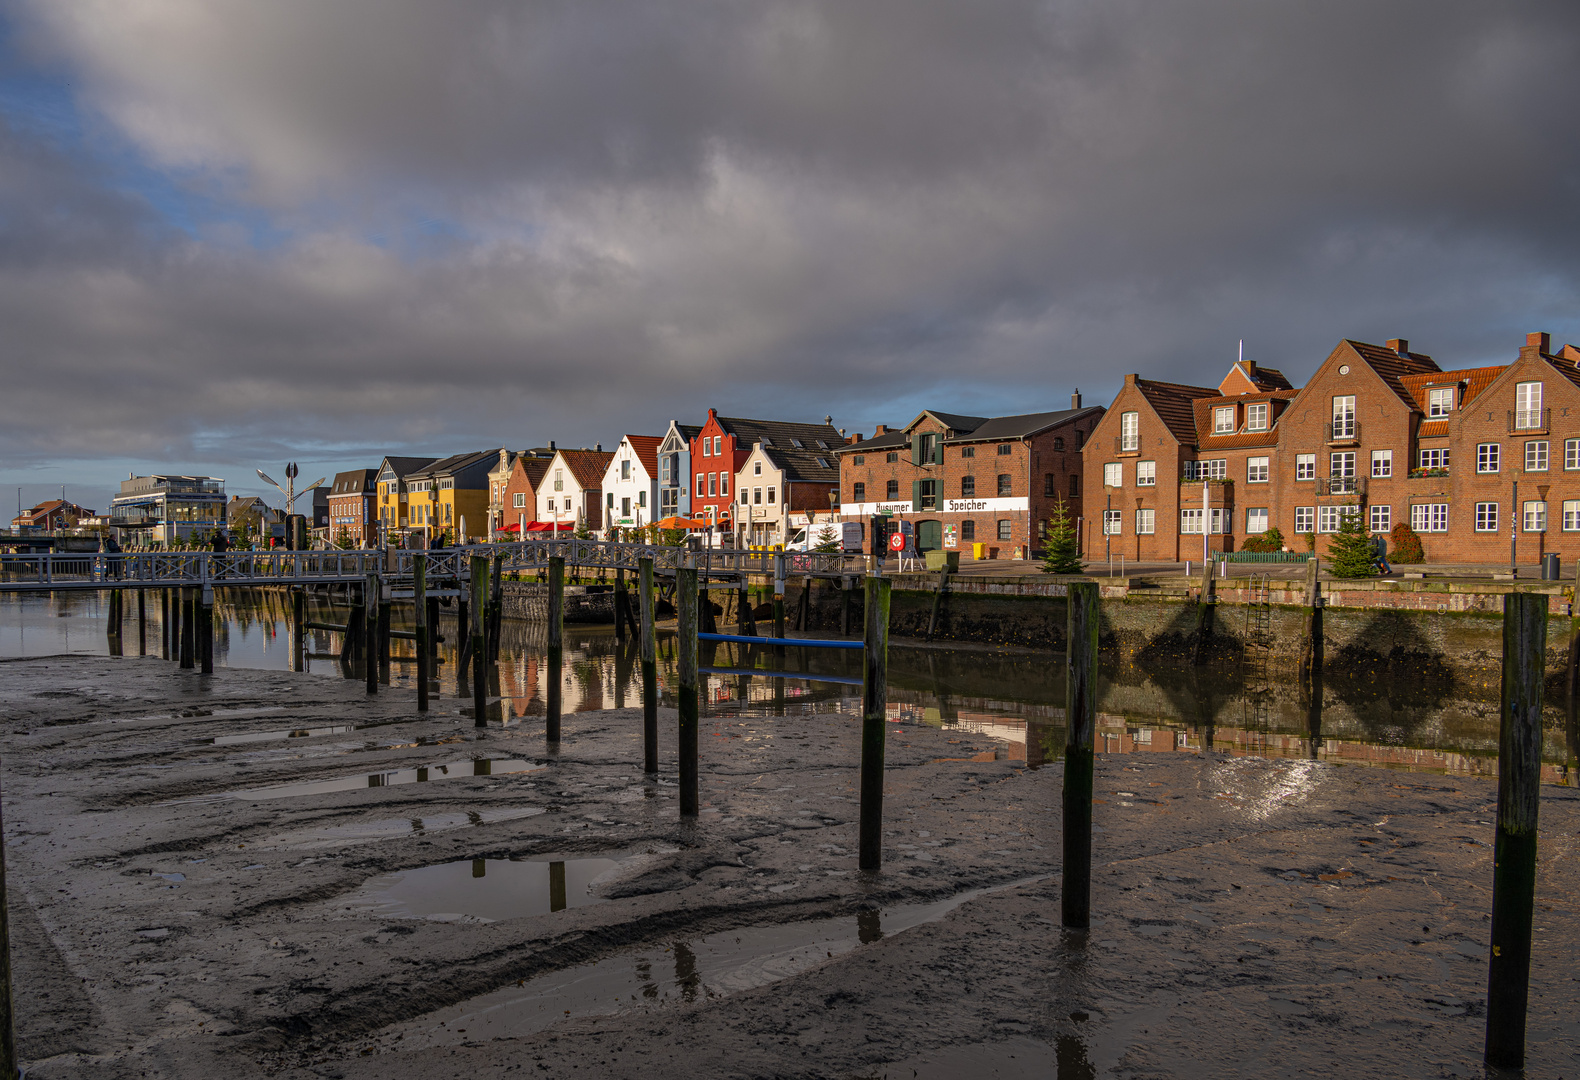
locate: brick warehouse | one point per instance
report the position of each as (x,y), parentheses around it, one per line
(1470,458)
(966,480)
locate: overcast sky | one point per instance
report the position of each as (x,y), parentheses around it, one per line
(236,233)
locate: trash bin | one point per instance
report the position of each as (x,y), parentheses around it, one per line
(937,560)
(979,551)
(1550,566)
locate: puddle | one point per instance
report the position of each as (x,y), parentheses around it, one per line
(449,771)
(271,736)
(390,828)
(685,971)
(480,890)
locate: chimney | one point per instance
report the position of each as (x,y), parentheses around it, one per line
(1541,342)
(828,420)
(880,429)
(598,447)
(1400,345)
(842,433)
(1075,400)
(1571,354)
(551,444)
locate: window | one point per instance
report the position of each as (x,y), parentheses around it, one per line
(1190,521)
(891,490)
(797,444)
(1058,442)
(1343,417)
(1144,522)
(1434,459)
(1533,517)
(1129,431)
(1528,406)
(858,492)
(1256,519)
(713,483)
(1487,457)
(567,503)
(1327,519)
(1304,517)
(968,529)
(771,492)
(1006,530)
(559,479)
(1487,517)
(1075,485)
(718,445)
(1572,515)
(1256,417)
(1381,518)
(892,456)
(1049,485)
(822,462)
(1572,453)
(1146,473)
(968,487)
(625,507)
(520,500)
(625,470)
(1256,470)
(724,483)
(1213,469)
(701,483)
(927,449)
(1342,464)
(1004,449)
(1440,402)
(663,470)
(1111,522)
(855,459)
(641,498)
(1006,486)
(1305,466)
(757,468)
(745,497)
(1114,474)
(968,451)
(707,447)
(1429,517)
(1536,457)
(1223,420)
(1382,463)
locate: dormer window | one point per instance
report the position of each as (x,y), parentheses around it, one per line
(797,444)
(1223,421)
(1256,417)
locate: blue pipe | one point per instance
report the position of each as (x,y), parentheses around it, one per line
(800,643)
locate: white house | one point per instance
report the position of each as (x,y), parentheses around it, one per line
(779,489)
(572,489)
(630,483)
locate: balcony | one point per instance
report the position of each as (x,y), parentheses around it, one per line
(1529,421)
(1344,430)
(1341,485)
(1418,474)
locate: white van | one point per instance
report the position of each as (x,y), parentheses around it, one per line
(847,532)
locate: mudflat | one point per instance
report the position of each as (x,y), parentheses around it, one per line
(262,874)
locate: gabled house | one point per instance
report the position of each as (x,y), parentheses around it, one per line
(353,508)
(394,503)
(674,470)
(54,514)
(450,497)
(499,514)
(520,497)
(779,487)
(630,484)
(572,491)
(722,446)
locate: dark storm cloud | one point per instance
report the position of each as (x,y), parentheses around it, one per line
(502,222)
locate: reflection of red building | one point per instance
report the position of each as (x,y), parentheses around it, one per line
(722,447)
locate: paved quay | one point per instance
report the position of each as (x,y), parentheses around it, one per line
(229,875)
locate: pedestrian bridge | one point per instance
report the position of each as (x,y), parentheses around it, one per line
(50,571)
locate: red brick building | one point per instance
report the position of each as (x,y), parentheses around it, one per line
(353,508)
(721,448)
(1378,431)
(519,499)
(970,480)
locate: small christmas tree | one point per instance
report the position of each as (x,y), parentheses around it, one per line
(827,540)
(1060,552)
(1404,545)
(1351,553)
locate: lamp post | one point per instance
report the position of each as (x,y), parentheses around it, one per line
(290,492)
(1139,501)
(1514,532)
(1108,538)
(1541,537)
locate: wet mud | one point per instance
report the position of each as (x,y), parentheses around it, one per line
(1253,917)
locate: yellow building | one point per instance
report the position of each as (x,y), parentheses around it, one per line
(451,497)
(393,503)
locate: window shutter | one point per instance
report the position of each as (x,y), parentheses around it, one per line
(938,451)
(916,496)
(916,449)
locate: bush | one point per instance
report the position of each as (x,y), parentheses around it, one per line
(1270,541)
(1311,540)
(1404,545)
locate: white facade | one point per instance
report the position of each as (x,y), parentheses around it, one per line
(560,496)
(630,494)
(760,497)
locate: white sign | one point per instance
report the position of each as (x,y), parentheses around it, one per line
(950,506)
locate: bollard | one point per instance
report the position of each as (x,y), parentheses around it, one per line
(298,626)
(1514,852)
(1080,718)
(649,669)
(142,622)
(8,1058)
(370,597)
(874,720)
(686,694)
(419,593)
(479,640)
(556,645)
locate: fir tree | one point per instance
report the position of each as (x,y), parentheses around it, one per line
(827,540)
(1404,545)
(1351,553)
(1060,552)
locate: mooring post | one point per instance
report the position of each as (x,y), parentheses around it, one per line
(874,720)
(1080,718)
(779,595)
(686,694)
(649,668)
(419,603)
(188,618)
(112,622)
(164,624)
(370,599)
(938,600)
(620,602)
(8,1058)
(384,630)
(496,608)
(1514,851)
(142,622)
(206,621)
(434,636)
(479,640)
(556,646)
(751,611)
(1311,647)
(847,594)
(299,627)
(1206,612)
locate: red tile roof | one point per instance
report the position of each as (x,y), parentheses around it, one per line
(1173,402)
(646,449)
(588,466)
(1393,367)
(1207,440)
(1475,379)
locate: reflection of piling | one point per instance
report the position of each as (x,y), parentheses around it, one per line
(187,619)
(557,886)
(874,718)
(620,603)
(384,631)
(555,678)
(8,1058)
(479,631)
(142,622)
(1206,613)
(649,668)
(419,604)
(1311,639)
(496,608)
(112,622)
(370,598)
(164,624)
(1514,853)
(686,694)
(298,626)
(1314,717)
(205,628)
(1080,719)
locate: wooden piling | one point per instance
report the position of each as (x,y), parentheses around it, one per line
(1514,851)
(384,632)
(205,629)
(847,596)
(803,617)
(556,656)
(496,607)
(686,693)
(938,600)
(620,602)
(649,668)
(112,622)
(142,622)
(188,618)
(1080,718)
(298,626)
(1311,643)
(1206,613)
(370,599)
(165,636)
(479,585)
(874,720)
(8,1054)
(751,609)
(419,592)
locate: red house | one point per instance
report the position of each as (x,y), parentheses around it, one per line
(721,448)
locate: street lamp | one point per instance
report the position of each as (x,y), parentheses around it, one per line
(1514,532)
(1108,539)
(290,492)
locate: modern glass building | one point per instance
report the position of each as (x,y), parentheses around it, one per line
(162,509)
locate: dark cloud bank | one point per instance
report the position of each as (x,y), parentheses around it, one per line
(494,222)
